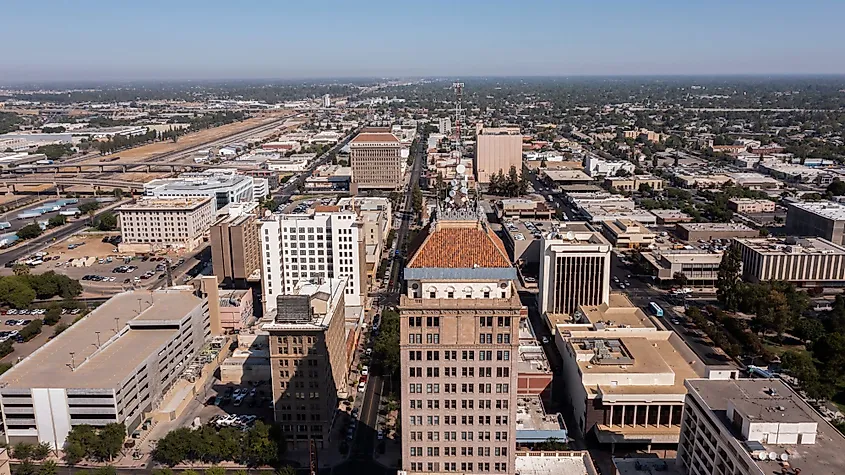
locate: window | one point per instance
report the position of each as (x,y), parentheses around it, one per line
(503,355)
(450,295)
(503,338)
(432,321)
(485,321)
(432,338)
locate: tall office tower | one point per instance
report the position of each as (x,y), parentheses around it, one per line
(308,360)
(574,269)
(327,101)
(497,149)
(376,159)
(235,253)
(444,125)
(327,244)
(459,344)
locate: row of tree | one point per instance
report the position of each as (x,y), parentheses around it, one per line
(85,442)
(386,345)
(260,445)
(512,184)
(120,142)
(20,290)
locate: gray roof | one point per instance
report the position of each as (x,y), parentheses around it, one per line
(478,273)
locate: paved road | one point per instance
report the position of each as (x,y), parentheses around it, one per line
(395,283)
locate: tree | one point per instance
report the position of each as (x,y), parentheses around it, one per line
(73,453)
(386,345)
(809,329)
(22,451)
(417,199)
(48,468)
(801,366)
(680,278)
(30,231)
(109,441)
(646,189)
(41,451)
(21,269)
(286,470)
(16,292)
(57,220)
(107,470)
(53,315)
(774,312)
(258,446)
(118,193)
(215,471)
(25,468)
(727,281)
(836,187)
(107,222)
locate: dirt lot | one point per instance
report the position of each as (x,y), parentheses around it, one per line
(186,141)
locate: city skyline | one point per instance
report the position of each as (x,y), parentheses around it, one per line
(213,40)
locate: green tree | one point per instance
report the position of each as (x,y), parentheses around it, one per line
(774,312)
(162,471)
(22,451)
(836,187)
(53,315)
(215,471)
(809,329)
(109,441)
(386,344)
(728,279)
(172,449)
(286,470)
(73,453)
(48,468)
(258,447)
(107,470)
(107,222)
(416,199)
(41,451)
(56,221)
(21,269)
(15,291)
(25,468)
(680,278)
(30,231)
(118,193)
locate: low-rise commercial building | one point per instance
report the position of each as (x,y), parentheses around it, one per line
(308,360)
(114,365)
(627,234)
(804,261)
(751,206)
(624,376)
(249,362)
(235,310)
(754,427)
(562,176)
(671,216)
(633,183)
(824,219)
(152,224)
(698,267)
(329,178)
(755,181)
(523,208)
(710,231)
(596,166)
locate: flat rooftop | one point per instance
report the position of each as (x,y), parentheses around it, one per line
(329,292)
(826,456)
(619,312)
(205,183)
(545,463)
(645,466)
(715,227)
(531,415)
(568,175)
(826,209)
(792,246)
(162,204)
(119,354)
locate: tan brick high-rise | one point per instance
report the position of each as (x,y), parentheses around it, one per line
(459,347)
(376,159)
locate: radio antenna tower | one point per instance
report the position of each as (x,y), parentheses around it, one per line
(459,93)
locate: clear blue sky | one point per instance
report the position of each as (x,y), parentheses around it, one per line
(212,39)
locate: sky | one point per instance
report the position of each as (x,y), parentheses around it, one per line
(54,40)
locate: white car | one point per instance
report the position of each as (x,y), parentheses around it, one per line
(362,386)
(365,371)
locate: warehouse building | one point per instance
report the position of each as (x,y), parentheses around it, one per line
(710,231)
(804,261)
(114,365)
(824,219)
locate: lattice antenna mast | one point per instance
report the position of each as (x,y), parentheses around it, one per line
(459,93)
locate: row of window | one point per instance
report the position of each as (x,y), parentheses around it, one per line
(466,372)
(453,466)
(452,388)
(465,403)
(452,355)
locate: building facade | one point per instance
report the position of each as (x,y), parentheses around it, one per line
(627,234)
(114,365)
(710,231)
(459,343)
(754,427)
(803,261)
(497,149)
(748,205)
(235,241)
(824,219)
(308,360)
(325,245)
(574,269)
(376,159)
(222,185)
(153,224)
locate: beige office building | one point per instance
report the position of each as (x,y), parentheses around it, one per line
(497,149)
(459,343)
(803,261)
(749,205)
(376,159)
(235,241)
(627,234)
(153,224)
(308,360)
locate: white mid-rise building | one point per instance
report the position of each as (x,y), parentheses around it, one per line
(223,186)
(295,247)
(596,166)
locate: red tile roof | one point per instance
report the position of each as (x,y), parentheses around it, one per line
(379,137)
(462,247)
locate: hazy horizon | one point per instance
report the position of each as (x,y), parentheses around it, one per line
(103,41)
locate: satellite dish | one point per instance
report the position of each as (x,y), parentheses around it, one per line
(460,169)
(454,182)
(570,236)
(763,456)
(784,456)
(464,189)
(267,213)
(773,455)
(451,193)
